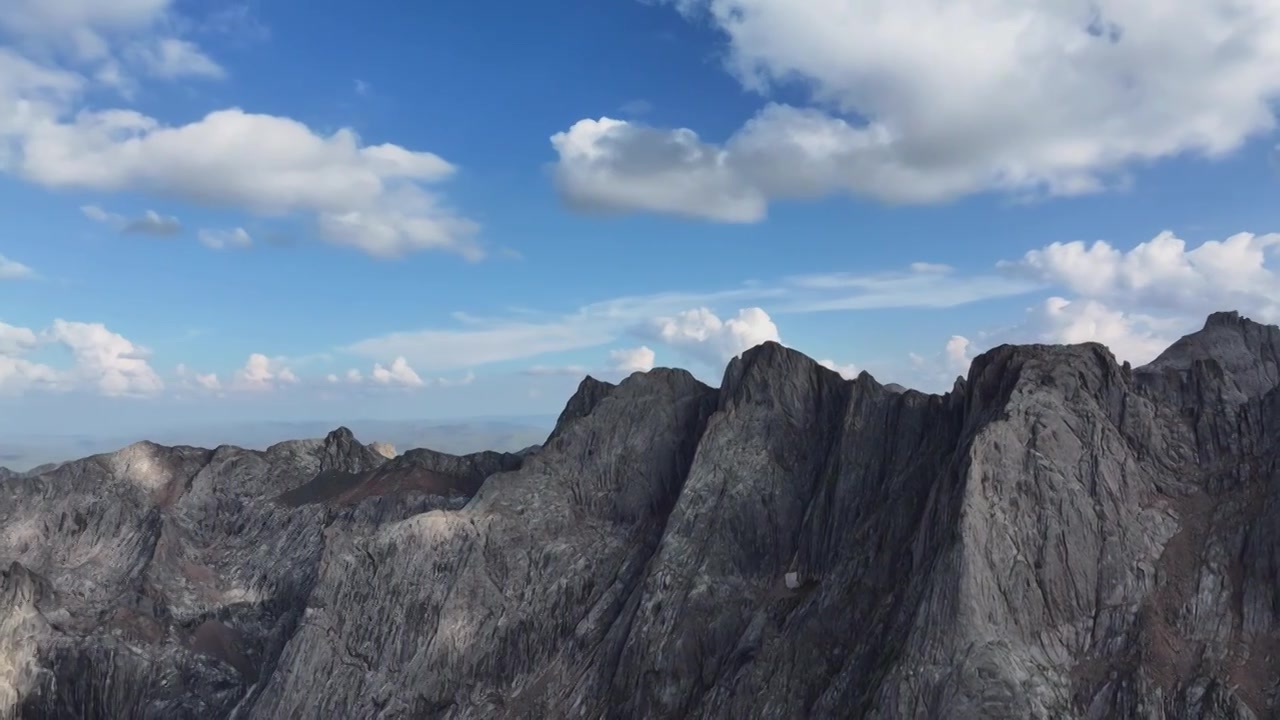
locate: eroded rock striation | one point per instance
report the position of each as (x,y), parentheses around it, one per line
(1059,536)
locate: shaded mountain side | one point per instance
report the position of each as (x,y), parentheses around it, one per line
(1059,536)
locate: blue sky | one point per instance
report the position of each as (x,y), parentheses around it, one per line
(233,211)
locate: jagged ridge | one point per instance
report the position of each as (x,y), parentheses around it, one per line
(1058,537)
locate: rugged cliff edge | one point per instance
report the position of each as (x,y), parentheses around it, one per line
(1057,537)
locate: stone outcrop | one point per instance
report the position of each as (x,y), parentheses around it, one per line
(1059,536)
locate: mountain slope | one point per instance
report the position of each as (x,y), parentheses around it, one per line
(1057,537)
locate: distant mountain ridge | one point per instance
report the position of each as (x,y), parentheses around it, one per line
(459,436)
(1059,536)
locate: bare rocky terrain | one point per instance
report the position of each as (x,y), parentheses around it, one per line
(1057,537)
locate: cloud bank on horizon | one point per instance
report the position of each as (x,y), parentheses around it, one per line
(197,226)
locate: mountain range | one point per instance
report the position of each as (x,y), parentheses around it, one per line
(1058,536)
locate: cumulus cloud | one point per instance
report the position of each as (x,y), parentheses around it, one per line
(14,270)
(192,379)
(375,198)
(19,374)
(1048,98)
(221,239)
(117,366)
(631,360)
(848,372)
(701,334)
(103,360)
(261,373)
(1131,337)
(16,340)
(609,165)
(398,374)
(1137,301)
(1162,274)
(959,354)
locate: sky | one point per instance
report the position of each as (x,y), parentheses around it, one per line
(276,210)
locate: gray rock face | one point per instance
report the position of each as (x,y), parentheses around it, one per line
(1057,537)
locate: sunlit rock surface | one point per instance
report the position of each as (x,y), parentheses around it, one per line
(1057,537)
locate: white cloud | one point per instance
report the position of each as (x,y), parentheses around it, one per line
(261,373)
(202,381)
(365,196)
(1137,302)
(374,198)
(612,165)
(103,360)
(959,353)
(1058,98)
(703,335)
(117,366)
(1135,338)
(527,334)
(149,223)
(14,340)
(81,27)
(631,360)
(398,374)
(354,376)
(113,41)
(14,270)
(848,372)
(937,371)
(18,374)
(1163,275)
(220,239)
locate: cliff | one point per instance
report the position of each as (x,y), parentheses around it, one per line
(1059,536)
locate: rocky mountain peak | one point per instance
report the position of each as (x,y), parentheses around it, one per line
(1059,537)
(341,437)
(772,373)
(589,394)
(1245,353)
(1227,318)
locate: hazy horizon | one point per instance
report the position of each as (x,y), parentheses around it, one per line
(21,452)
